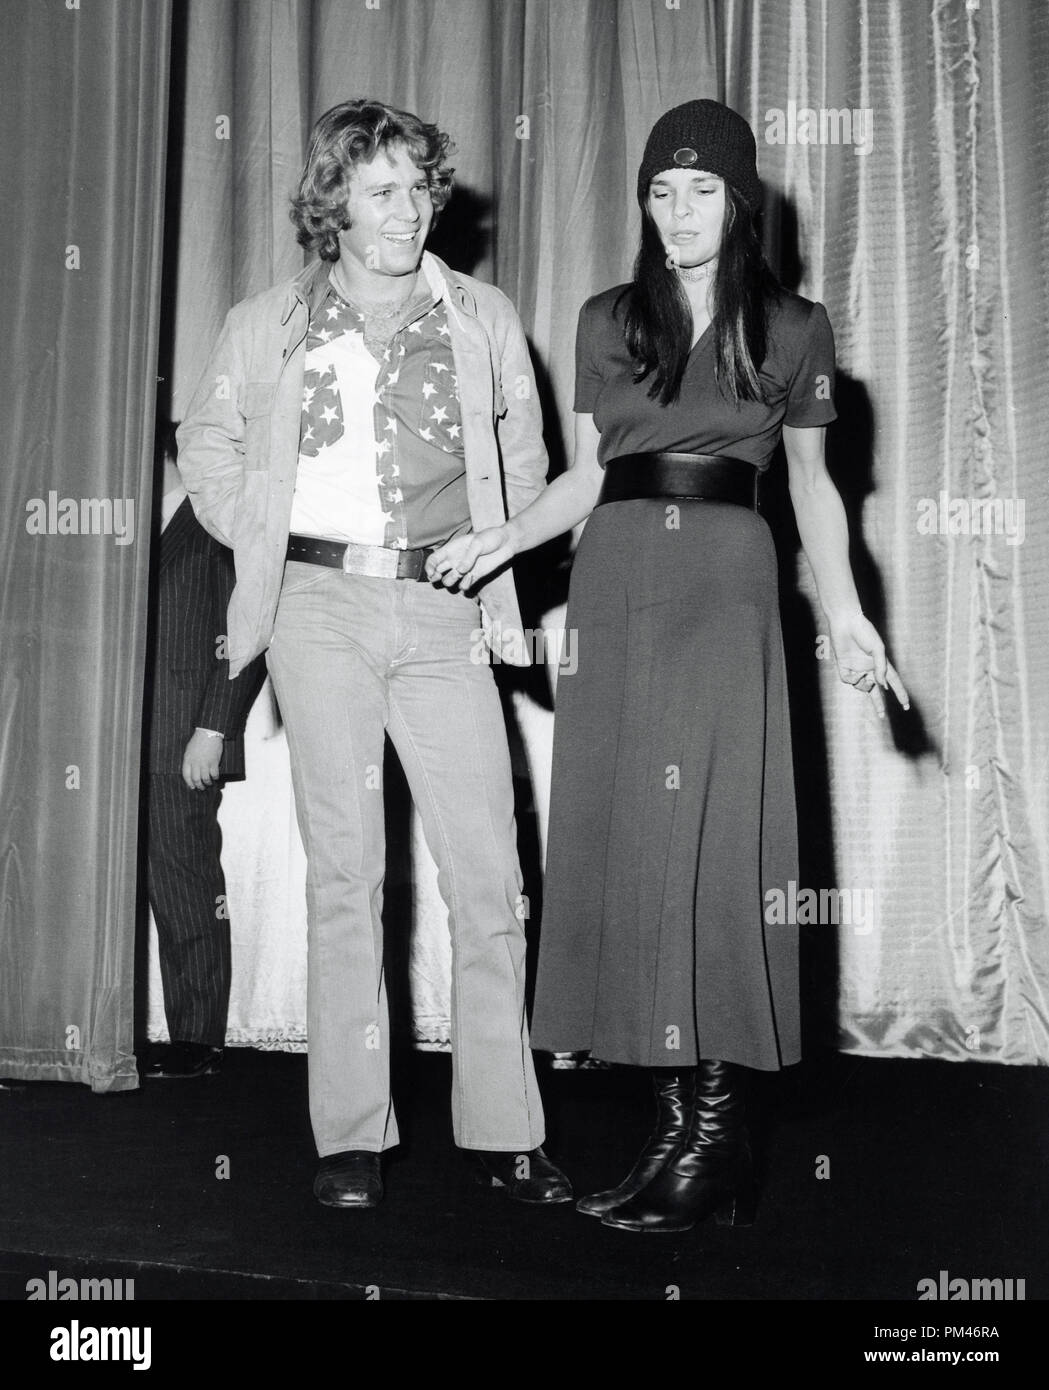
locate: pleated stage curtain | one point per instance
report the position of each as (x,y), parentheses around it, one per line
(83,111)
(906,188)
(928,247)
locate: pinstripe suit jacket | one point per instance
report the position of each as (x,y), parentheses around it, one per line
(190,685)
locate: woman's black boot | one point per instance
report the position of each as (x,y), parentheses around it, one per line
(711,1172)
(673,1091)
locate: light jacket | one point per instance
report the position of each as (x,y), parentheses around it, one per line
(238,446)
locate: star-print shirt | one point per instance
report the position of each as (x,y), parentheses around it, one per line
(380,450)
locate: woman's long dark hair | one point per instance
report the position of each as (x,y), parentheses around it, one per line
(659,320)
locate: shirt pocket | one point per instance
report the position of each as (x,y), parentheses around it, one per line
(440,410)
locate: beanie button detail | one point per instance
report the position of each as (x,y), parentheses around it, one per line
(686,155)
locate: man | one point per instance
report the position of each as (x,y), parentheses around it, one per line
(196,723)
(349,421)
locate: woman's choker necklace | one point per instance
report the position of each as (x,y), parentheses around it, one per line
(695,273)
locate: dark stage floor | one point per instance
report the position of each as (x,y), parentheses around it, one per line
(932,1166)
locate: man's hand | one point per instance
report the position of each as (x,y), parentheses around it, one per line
(200,762)
(465,560)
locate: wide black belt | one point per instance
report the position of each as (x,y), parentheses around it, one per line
(378,561)
(691,477)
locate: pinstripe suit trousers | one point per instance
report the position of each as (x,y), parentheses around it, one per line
(187,893)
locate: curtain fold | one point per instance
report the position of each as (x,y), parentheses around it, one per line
(84,112)
(928,248)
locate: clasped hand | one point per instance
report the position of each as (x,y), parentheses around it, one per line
(465,560)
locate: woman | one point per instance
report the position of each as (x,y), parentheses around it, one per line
(672,805)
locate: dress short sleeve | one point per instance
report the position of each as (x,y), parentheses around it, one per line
(810,399)
(588,378)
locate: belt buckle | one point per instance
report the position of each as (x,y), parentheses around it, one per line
(376,561)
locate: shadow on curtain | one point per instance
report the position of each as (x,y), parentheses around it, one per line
(83,112)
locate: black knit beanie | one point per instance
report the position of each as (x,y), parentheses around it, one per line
(703,135)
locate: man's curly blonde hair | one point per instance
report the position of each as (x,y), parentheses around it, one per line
(349,134)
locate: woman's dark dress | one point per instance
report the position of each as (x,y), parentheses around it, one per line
(672,803)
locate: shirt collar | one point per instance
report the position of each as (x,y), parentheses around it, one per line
(422,301)
(434,270)
(311,285)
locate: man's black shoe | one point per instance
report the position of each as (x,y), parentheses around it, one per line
(527,1177)
(185,1059)
(352,1178)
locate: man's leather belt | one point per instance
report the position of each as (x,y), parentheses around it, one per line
(378,561)
(698,477)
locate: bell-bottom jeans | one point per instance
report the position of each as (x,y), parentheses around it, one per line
(353,659)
